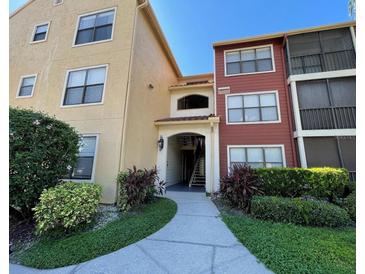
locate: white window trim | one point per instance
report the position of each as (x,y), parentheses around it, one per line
(248,48)
(92,180)
(254,93)
(255,146)
(84,68)
(57,4)
(20,84)
(92,13)
(35,29)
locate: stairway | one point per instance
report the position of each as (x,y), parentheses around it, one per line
(198,176)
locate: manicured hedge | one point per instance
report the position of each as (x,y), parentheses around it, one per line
(349,204)
(295,182)
(41,149)
(299,211)
(67,205)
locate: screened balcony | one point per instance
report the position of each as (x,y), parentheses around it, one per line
(328,103)
(321,51)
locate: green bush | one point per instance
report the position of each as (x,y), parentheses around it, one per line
(41,149)
(295,182)
(299,211)
(137,186)
(66,206)
(349,204)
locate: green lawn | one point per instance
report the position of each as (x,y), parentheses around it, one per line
(287,248)
(83,246)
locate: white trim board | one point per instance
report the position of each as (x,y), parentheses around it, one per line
(322,75)
(325,132)
(248,48)
(253,93)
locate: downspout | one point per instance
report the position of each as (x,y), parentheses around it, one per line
(125,114)
(211,157)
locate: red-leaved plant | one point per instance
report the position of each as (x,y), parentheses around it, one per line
(239,185)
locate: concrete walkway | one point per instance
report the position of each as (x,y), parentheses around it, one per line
(195,241)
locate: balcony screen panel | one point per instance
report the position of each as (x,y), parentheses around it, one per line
(348,152)
(313,94)
(321,152)
(304,44)
(343,91)
(336,40)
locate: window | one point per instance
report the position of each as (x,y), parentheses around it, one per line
(27,84)
(57,2)
(251,60)
(192,101)
(85,159)
(40,33)
(95,27)
(252,108)
(268,156)
(85,86)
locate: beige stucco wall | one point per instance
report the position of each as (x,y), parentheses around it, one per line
(50,60)
(145,105)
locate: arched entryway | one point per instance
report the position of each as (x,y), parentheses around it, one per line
(190,153)
(186,163)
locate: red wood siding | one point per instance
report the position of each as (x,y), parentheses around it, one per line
(255,134)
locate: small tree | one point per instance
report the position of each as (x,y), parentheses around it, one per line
(42,149)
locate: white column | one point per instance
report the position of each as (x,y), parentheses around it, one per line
(353,36)
(301,148)
(298,124)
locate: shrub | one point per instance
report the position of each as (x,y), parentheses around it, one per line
(299,211)
(66,206)
(349,204)
(295,182)
(41,148)
(240,185)
(137,186)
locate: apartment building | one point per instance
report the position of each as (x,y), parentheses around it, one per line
(295,91)
(105,68)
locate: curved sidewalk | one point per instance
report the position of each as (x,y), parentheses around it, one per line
(195,241)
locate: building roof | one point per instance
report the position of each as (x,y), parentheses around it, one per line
(283,34)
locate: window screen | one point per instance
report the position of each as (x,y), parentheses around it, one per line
(313,94)
(322,152)
(85,86)
(26,87)
(249,61)
(40,32)
(252,108)
(96,27)
(85,159)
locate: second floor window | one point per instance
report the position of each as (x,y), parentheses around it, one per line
(85,86)
(251,60)
(252,108)
(27,86)
(192,101)
(40,33)
(95,27)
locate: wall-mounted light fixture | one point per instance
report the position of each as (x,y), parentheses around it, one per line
(160,143)
(150,86)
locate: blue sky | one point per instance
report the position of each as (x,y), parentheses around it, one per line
(191,26)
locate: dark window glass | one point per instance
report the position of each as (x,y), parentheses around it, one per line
(249,61)
(322,152)
(40,32)
(26,86)
(192,101)
(252,108)
(85,159)
(96,27)
(85,86)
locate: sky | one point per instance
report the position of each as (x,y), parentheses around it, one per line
(191,26)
